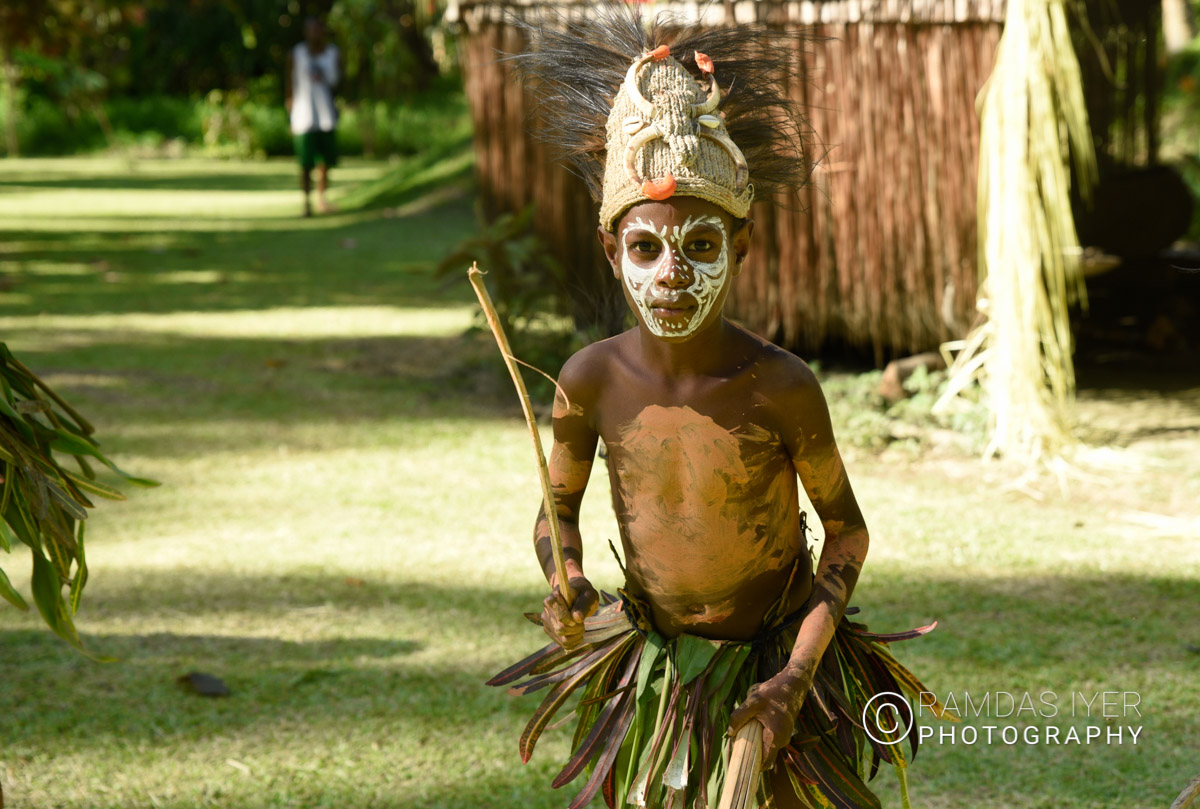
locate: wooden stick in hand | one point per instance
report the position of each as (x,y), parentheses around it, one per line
(745,760)
(489,311)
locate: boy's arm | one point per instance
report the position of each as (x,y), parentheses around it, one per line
(336,78)
(570,464)
(815,455)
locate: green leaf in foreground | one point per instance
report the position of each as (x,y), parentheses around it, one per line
(47,594)
(9,594)
(694,656)
(42,505)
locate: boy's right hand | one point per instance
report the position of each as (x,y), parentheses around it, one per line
(563,623)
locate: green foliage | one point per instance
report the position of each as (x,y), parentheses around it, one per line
(378,129)
(1181,123)
(42,504)
(68,56)
(1189,170)
(240,123)
(385,51)
(868,421)
(226,132)
(234,125)
(49,128)
(167,117)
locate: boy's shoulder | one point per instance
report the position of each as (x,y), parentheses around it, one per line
(585,371)
(776,369)
(784,387)
(592,358)
(770,365)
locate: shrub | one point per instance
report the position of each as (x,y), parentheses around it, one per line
(165,116)
(270,126)
(382,129)
(240,123)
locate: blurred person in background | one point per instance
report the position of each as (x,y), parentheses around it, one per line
(313,71)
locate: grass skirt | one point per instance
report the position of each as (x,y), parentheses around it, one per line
(652,715)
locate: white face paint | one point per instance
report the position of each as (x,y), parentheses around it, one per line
(659,304)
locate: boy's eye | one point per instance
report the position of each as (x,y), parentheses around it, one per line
(644,246)
(700,246)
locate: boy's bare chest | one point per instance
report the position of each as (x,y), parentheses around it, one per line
(675,469)
(684,456)
(706,511)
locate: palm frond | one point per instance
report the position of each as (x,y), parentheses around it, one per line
(43,505)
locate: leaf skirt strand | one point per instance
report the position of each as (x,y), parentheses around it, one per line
(652,715)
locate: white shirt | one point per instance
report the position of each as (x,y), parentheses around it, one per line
(312,101)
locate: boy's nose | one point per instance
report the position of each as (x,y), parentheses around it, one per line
(673,273)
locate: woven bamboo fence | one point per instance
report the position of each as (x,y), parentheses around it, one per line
(879,254)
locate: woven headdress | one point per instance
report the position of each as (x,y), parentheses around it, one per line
(649,112)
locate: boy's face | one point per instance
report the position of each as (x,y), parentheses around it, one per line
(676,260)
(314,32)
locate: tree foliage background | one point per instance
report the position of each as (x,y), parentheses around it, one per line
(76,57)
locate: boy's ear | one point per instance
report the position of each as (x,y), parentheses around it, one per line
(609,242)
(740,242)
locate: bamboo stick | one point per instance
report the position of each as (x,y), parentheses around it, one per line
(489,311)
(1189,794)
(745,761)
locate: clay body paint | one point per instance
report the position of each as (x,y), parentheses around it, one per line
(707,276)
(706,510)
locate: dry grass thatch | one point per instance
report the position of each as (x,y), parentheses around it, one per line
(1034,122)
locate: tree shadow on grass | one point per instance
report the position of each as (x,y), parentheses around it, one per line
(1020,623)
(195,593)
(329,685)
(1008,632)
(1008,623)
(192,384)
(367,262)
(183,181)
(1003,624)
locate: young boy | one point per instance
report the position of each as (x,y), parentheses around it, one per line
(707,429)
(313,71)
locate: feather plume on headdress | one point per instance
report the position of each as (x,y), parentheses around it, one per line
(636,123)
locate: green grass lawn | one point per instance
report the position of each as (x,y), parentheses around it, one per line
(343,530)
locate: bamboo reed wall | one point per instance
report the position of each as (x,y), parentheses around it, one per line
(880,254)
(885,255)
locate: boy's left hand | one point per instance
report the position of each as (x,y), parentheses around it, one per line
(776,704)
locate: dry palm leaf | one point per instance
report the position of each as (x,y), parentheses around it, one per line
(1033,121)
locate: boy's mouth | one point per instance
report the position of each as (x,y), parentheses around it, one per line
(673,316)
(672,309)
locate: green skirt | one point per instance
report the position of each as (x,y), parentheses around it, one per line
(652,714)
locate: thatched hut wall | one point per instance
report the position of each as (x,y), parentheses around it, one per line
(881,251)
